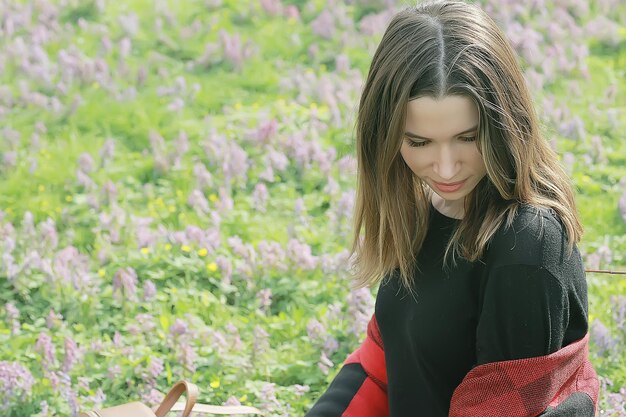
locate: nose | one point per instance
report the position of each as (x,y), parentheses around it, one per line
(447,163)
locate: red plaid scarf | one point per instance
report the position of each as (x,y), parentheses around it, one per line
(514,388)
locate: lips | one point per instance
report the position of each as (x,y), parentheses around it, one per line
(451,184)
(449,188)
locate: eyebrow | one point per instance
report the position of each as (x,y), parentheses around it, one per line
(414,136)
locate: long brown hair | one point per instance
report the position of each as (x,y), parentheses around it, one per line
(437,49)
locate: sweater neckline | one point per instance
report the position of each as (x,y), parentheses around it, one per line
(441,215)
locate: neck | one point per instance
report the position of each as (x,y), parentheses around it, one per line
(452,209)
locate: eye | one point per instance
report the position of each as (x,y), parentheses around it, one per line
(467,138)
(414,144)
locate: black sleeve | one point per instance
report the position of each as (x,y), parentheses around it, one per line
(335,400)
(525,312)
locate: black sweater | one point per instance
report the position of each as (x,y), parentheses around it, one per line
(525,297)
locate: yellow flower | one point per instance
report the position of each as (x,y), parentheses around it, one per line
(243,398)
(213,198)
(313,106)
(211,267)
(145,251)
(101,272)
(68,198)
(185,248)
(172,209)
(159,202)
(179,193)
(203,252)
(215,383)
(41,188)
(237,106)
(168,247)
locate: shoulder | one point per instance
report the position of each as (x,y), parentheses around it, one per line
(535,236)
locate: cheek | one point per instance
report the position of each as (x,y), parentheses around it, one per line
(415,163)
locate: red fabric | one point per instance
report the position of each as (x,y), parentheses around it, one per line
(515,388)
(525,387)
(371,399)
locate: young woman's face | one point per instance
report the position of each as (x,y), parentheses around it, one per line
(440,145)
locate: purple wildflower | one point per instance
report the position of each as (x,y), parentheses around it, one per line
(267,396)
(272,7)
(155,370)
(48,234)
(325,364)
(234,51)
(259,197)
(360,310)
(618,306)
(266,130)
(235,163)
(109,192)
(300,254)
(234,334)
(179,328)
(15,381)
(53,319)
(73,267)
(265,298)
(291,11)
(261,341)
(107,152)
(220,343)
(324,24)
(187,357)
(300,390)
(95,400)
(46,348)
(232,400)
(374,24)
(226,268)
(278,160)
(114,371)
(13,316)
(198,202)
(601,337)
(330,346)
(117,339)
(86,163)
(315,330)
(271,255)
(72,354)
(125,281)
(149,290)
(153,397)
(9,160)
(203,177)
(342,63)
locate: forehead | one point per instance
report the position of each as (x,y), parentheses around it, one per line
(449,114)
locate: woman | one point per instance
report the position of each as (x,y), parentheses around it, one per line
(470,230)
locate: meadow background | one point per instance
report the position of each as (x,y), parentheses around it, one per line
(177,180)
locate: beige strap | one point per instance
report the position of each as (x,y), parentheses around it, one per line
(174,394)
(218,409)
